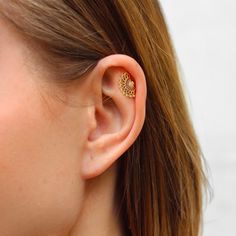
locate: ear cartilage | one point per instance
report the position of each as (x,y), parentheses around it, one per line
(126,85)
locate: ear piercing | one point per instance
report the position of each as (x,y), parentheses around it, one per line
(126,85)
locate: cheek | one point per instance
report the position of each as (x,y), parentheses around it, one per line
(40,186)
(39,172)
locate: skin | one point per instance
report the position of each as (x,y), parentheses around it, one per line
(57,160)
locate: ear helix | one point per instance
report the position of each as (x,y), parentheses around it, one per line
(126,85)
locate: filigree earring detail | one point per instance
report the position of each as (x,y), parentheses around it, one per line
(126,85)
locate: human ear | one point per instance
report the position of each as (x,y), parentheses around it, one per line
(117,119)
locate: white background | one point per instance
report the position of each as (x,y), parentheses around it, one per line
(204,35)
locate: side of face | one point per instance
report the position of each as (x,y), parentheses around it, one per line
(40,184)
(49,150)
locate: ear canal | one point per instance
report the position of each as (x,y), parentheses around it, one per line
(126,85)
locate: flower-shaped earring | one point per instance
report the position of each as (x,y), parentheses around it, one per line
(126,85)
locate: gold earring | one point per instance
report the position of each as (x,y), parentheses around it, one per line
(127,85)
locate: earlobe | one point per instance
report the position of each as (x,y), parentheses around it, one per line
(118,120)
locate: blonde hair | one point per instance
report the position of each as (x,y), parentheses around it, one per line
(160,177)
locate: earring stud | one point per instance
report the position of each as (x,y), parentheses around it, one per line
(126,85)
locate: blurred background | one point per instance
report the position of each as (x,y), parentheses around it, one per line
(204,36)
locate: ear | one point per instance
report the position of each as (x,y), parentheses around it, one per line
(117,119)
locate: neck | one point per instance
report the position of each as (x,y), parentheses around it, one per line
(97,216)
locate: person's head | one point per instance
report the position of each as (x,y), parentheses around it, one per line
(70,139)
